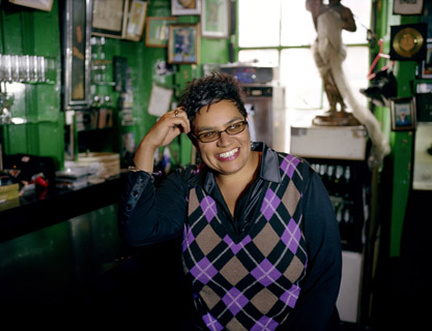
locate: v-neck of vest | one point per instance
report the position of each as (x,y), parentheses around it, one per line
(230,230)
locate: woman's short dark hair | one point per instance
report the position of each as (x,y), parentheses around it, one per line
(210,89)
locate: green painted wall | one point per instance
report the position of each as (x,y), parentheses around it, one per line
(25,31)
(397,172)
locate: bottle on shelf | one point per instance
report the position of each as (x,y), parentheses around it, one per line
(347,182)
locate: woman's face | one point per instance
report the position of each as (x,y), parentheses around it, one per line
(230,153)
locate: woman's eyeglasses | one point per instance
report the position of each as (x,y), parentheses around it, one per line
(210,136)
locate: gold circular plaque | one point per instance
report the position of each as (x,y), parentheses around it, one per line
(408,42)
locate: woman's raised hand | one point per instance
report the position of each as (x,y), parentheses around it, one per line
(169,126)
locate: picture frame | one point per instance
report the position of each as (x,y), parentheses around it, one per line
(183,43)
(109,18)
(77,54)
(426,72)
(215,19)
(45,5)
(402,113)
(185,7)
(157,31)
(412,7)
(136,20)
(408,42)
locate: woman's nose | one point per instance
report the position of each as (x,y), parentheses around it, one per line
(224,139)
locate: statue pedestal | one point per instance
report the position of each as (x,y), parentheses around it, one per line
(337,142)
(337,118)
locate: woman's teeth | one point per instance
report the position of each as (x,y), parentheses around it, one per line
(228,154)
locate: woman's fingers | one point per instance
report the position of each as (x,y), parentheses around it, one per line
(168,127)
(180,119)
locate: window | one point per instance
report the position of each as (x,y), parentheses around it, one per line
(281,35)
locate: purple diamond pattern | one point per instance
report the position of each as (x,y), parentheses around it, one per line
(235,300)
(266,273)
(289,164)
(208,206)
(265,324)
(290,297)
(212,323)
(270,204)
(188,237)
(203,271)
(237,247)
(291,236)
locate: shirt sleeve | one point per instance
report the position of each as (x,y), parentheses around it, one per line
(316,306)
(148,214)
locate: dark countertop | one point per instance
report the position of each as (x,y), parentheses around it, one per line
(41,209)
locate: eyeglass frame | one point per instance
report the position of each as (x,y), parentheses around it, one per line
(219,133)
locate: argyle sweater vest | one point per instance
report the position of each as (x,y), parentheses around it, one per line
(251,282)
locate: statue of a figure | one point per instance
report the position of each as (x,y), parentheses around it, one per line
(329,52)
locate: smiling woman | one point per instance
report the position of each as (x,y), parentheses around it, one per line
(253,222)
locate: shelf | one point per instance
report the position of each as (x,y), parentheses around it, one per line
(21,121)
(104,83)
(96,129)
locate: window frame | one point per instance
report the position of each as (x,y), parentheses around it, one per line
(280,48)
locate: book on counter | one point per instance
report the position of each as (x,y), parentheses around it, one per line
(9,196)
(71,183)
(71,178)
(9,192)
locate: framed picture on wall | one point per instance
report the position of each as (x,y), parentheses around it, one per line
(215,18)
(185,7)
(426,72)
(411,7)
(402,114)
(136,20)
(157,31)
(110,18)
(45,5)
(183,44)
(77,54)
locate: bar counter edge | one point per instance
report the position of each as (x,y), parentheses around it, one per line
(35,213)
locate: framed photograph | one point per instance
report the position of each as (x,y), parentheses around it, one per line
(110,18)
(215,18)
(45,5)
(136,20)
(402,111)
(183,44)
(77,54)
(426,72)
(157,31)
(185,7)
(408,42)
(408,7)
